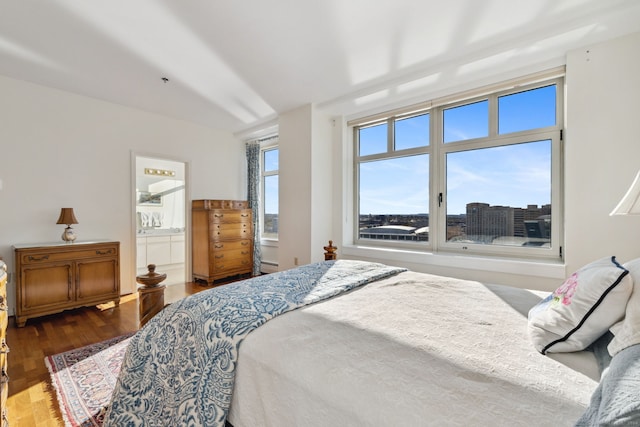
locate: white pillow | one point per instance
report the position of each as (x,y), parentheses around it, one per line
(588,303)
(627,331)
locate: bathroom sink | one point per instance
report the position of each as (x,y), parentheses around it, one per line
(157,231)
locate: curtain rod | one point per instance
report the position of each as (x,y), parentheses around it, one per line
(267,138)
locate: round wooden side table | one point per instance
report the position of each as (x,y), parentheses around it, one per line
(150,294)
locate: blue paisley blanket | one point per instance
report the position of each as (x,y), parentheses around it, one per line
(179,369)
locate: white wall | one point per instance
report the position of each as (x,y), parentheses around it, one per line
(322,181)
(58,149)
(294,208)
(305,184)
(602,150)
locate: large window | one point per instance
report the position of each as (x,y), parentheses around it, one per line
(479,175)
(270,192)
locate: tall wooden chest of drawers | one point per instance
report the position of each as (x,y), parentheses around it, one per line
(4,349)
(222,239)
(54,277)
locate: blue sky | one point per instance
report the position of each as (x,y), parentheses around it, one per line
(515,175)
(271,183)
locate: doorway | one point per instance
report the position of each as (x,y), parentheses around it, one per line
(160,217)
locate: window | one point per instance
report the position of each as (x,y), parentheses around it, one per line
(269,193)
(479,175)
(393,179)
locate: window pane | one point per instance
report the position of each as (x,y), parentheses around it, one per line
(373,139)
(270,226)
(501,195)
(271,160)
(394,199)
(412,132)
(531,109)
(466,122)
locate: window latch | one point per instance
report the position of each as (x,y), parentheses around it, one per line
(439,199)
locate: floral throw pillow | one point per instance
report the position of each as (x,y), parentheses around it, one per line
(584,307)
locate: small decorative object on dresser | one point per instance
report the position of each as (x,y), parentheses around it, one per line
(330,252)
(52,277)
(4,377)
(222,239)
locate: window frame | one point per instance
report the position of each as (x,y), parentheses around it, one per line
(384,156)
(267,145)
(438,150)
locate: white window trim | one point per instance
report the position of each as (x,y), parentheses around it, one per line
(266,144)
(546,269)
(438,246)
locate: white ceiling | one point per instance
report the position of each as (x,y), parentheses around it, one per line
(235,65)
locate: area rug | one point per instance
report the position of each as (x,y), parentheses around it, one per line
(84,379)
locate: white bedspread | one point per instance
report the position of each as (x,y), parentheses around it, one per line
(412,350)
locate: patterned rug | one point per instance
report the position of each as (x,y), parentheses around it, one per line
(84,379)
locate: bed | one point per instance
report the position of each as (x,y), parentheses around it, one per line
(357,344)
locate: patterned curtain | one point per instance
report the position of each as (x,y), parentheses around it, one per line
(253,195)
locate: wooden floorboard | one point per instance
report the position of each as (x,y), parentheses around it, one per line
(32,400)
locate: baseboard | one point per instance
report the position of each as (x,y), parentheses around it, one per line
(267,267)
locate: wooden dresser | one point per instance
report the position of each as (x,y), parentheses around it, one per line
(4,349)
(222,239)
(54,277)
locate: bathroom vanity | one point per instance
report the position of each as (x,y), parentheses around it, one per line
(166,249)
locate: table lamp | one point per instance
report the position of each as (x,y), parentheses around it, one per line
(630,203)
(67,217)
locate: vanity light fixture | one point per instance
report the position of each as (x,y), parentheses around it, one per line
(159,172)
(67,217)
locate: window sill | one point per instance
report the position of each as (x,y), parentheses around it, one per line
(537,268)
(269,242)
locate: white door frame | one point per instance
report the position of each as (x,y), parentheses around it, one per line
(187,211)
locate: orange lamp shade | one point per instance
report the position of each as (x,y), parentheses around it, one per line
(67,217)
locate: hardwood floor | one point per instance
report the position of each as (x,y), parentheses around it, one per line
(32,400)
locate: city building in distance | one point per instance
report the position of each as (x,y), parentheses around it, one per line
(482,224)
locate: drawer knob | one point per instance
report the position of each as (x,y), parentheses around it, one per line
(36,258)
